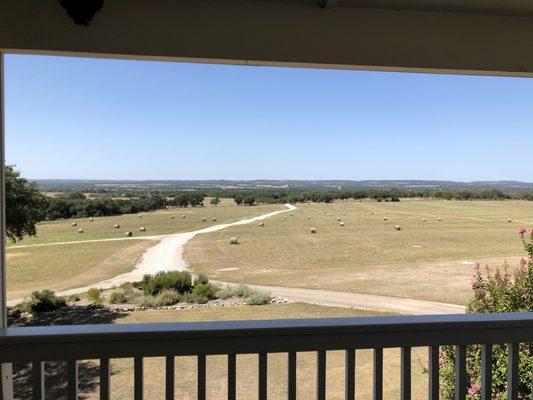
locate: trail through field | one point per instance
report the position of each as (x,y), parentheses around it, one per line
(167,255)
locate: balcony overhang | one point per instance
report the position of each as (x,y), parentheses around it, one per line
(450,36)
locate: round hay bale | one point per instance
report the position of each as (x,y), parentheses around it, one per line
(509,220)
(213,213)
(233,240)
(74,224)
(341,223)
(204,219)
(116,226)
(397,227)
(140,216)
(183,216)
(214,219)
(372,213)
(172,217)
(423,220)
(308,217)
(142,229)
(91,219)
(261,224)
(338,219)
(439,219)
(80,230)
(312,230)
(128,234)
(384,218)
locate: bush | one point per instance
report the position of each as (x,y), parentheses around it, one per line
(179,281)
(496,292)
(74,298)
(167,298)
(42,301)
(93,295)
(240,291)
(258,299)
(118,297)
(201,279)
(145,301)
(205,290)
(127,287)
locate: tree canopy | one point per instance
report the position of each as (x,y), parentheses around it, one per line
(24,205)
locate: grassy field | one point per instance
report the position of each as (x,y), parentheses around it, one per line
(156,223)
(368,255)
(185,373)
(66,266)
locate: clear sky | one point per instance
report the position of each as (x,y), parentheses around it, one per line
(117,119)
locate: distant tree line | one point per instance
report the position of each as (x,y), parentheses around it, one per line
(77,205)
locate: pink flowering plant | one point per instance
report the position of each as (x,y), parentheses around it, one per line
(500,290)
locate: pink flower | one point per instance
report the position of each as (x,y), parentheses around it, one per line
(474,388)
(441,361)
(521,230)
(523,262)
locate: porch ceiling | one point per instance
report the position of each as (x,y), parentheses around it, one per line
(457,36)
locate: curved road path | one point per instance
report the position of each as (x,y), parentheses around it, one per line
(167,255)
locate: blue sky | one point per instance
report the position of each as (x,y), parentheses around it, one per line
(117,119)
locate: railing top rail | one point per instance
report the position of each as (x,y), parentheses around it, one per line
(224,337)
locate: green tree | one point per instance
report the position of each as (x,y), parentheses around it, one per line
(25,205)
(214,201)
(249,200)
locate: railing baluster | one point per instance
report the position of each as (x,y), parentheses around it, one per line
(138,378)
(460,372)
(291,384)
(321,375)
(72,380)
(486,372)
(104,379)
(406,374)
(378,374)
(433,367)
(201,377)
(262,376)
(169,378)
(512,371)
(37,379)
(349,375)
(232,377)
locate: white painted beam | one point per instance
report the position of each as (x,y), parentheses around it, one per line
(6,378)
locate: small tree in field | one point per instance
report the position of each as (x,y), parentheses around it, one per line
(496,291)
(249,200)
(214,201)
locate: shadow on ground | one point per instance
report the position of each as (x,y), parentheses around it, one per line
(56,371)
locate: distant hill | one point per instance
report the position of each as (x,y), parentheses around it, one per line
(66,184)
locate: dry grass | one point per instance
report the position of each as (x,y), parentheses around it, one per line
(68,266)
(156,223)
(368,255)
(185,372)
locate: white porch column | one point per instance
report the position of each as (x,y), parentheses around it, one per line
(6,379)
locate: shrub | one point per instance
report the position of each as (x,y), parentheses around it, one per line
(145,301)
(118,297)
(258,299)
(127,287)
(74,298)
(93,295)
(496,292)
(201,279)
(240,291)
(205,290)
(179,281)
(167,298)
(42,301)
